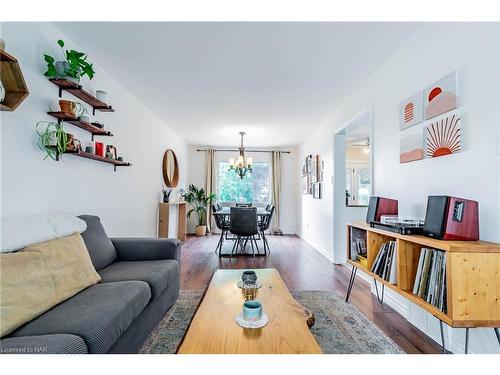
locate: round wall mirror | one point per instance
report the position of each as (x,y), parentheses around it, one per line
(170,169)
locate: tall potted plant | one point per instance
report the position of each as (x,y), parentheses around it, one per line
(199,201)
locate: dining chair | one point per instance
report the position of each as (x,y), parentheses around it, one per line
(264,225)
(223,225)
(243,225)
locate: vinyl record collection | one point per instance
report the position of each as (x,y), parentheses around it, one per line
(384,264)
(430,281)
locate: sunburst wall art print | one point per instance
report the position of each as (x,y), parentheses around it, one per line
(441,96)
(444,136)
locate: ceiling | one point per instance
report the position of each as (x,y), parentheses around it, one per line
(208,81)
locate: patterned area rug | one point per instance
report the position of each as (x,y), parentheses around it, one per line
(339,329)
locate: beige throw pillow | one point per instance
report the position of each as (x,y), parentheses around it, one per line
(41,276)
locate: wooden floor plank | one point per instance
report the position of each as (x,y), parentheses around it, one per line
(302,268)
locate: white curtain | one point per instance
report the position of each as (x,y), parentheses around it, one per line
(210,185)
(276,175)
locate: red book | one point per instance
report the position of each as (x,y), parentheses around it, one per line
(99,148)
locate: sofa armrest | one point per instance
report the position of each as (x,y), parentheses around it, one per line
(43,344)
(147,248)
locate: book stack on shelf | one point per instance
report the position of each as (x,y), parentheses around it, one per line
(430,281)
(384,264)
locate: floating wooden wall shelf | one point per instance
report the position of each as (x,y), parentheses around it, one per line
(13,82)
(87,155)
(76,90)
(94,130)
(96,104)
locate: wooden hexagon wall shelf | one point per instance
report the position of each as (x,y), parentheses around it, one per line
(13,82)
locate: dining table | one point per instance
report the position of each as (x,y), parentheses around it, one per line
(226,211)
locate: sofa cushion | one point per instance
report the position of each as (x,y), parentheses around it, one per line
(101,249)
(99,314)
(43,344)
(41,276)
(159,274)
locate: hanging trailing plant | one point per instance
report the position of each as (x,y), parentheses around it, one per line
(74,65)
(52,139)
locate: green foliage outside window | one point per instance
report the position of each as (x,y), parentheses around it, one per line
(254,187)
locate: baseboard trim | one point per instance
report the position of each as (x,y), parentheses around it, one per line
(318,249)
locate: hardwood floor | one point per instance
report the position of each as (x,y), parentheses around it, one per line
(302,268)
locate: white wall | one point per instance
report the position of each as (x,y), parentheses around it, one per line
(427,55)
(126,200)
(288,214)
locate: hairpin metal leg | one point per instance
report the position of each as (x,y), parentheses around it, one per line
(236,243)
(380,299)
(351,282)
(466,340)
(442,336)
(498,335)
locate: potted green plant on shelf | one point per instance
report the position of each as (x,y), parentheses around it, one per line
(73,66)
(52,139)
(199,201)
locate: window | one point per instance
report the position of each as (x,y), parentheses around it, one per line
(254,187)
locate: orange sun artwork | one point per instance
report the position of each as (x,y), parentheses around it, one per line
(444,136)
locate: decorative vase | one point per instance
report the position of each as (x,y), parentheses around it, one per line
(201,230)
(166,196)
(249,276)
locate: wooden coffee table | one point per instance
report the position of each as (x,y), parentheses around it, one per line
(214,331)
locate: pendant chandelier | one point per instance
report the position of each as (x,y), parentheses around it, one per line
(242,165)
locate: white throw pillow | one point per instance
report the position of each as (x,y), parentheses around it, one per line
(17,233)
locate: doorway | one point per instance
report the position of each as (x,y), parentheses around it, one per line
(353,177)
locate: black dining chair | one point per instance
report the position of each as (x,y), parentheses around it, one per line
(244,205)
(243,225)
(223,225)
(264,225)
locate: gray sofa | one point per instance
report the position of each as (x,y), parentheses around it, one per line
(140,282)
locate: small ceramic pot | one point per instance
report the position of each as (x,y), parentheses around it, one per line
(61,68)
(52,139)
(252,311)
(248,276)
(67,106)
(89,149)
(119,158)
(84,119)
(201,230)
(54,106)
(101,95)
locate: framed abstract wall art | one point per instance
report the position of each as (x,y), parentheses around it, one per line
(411,146)
(410,111)
(444,136)
(441,96)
